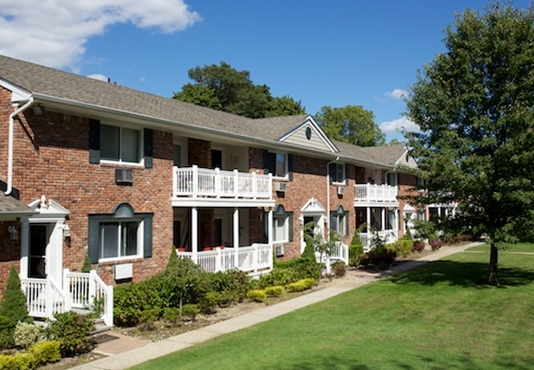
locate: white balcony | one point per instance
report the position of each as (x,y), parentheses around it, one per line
(193,186)
(371,194)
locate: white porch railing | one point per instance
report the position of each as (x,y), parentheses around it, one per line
(388,236)
(375,193)
(201,182)
(339,252)
(89,291)
(44,298)
(249,259)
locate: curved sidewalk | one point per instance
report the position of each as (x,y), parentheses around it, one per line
(134,354)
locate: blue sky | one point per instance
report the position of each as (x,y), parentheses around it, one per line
(323,53)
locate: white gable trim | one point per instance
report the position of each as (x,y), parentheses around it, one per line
(406,160)
(313,207)
(310,122)
(18,94)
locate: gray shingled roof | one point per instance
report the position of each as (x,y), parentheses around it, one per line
(11,208)
(44,82)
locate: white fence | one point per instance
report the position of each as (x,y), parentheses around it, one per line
(249,259)
(387,236)
(376,193)
(201,182)
(89,291)
(45,298)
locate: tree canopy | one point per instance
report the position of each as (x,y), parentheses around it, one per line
(221,87)
(474,105)
(351,124)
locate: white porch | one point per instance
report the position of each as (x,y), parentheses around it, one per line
(252,259)
(194,185)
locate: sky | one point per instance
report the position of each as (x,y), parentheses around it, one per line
(322,53)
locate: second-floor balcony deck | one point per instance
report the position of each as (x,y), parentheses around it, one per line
(371,194)
(196,186)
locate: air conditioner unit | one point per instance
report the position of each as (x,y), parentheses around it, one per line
(124,271)
(279,250)
(340,190)
(280,186)
(123,176)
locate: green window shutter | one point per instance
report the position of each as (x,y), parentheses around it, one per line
(290,167)
(147,242)
(93,250)
(290,225)
(94,141)
(149,147)
(331,172)
(347,178)
(269,162)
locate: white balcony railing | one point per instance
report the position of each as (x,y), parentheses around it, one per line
(375,193)
(195,182)
(249,259)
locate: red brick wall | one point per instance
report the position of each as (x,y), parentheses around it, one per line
(199,153)
(52,159)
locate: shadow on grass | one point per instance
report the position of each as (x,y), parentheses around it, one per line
(463,274)
(465,362)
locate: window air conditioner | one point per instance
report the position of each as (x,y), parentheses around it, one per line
(340,190)
(280,186)
(123,176)
(279,250)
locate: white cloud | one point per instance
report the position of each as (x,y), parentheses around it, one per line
(54,32)
(98,77)
(398,94)
(399,125)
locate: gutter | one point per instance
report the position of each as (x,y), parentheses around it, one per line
(10,144)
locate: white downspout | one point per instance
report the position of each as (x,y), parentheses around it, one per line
(10,145)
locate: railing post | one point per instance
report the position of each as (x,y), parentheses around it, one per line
(194,183)
(218,260)
(254,186)
(65,280)
(255,258)
(92,288)
(218,183)
(108,314)
(236,183)
(174,181)
(49,299)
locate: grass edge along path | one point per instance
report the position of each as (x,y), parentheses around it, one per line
(440,315)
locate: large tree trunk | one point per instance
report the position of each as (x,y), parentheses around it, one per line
(494,258)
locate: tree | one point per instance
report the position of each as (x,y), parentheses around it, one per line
(351,124)
(13,305)
(473,104)
(221,87)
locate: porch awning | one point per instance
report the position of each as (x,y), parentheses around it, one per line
(11,208)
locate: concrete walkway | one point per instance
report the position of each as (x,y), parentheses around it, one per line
(132,351)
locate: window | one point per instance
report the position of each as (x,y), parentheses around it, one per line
(279,164)
(339,221)
(282,230)
(122,234)
(392,178)
(120,144)
(119,239)
(336,171)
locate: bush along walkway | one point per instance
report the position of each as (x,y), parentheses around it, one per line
(134,352)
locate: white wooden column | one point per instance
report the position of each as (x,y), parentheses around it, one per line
(236,236)
(270,227)
(383,217)
(194,233)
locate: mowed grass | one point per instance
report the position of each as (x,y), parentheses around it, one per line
(441,315)
(514,248)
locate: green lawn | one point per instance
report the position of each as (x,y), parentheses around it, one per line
(438,316)
(518,247)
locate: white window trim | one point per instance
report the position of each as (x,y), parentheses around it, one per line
(344,182)
(140,144)
(140,239)
(285,230)
(286,169)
